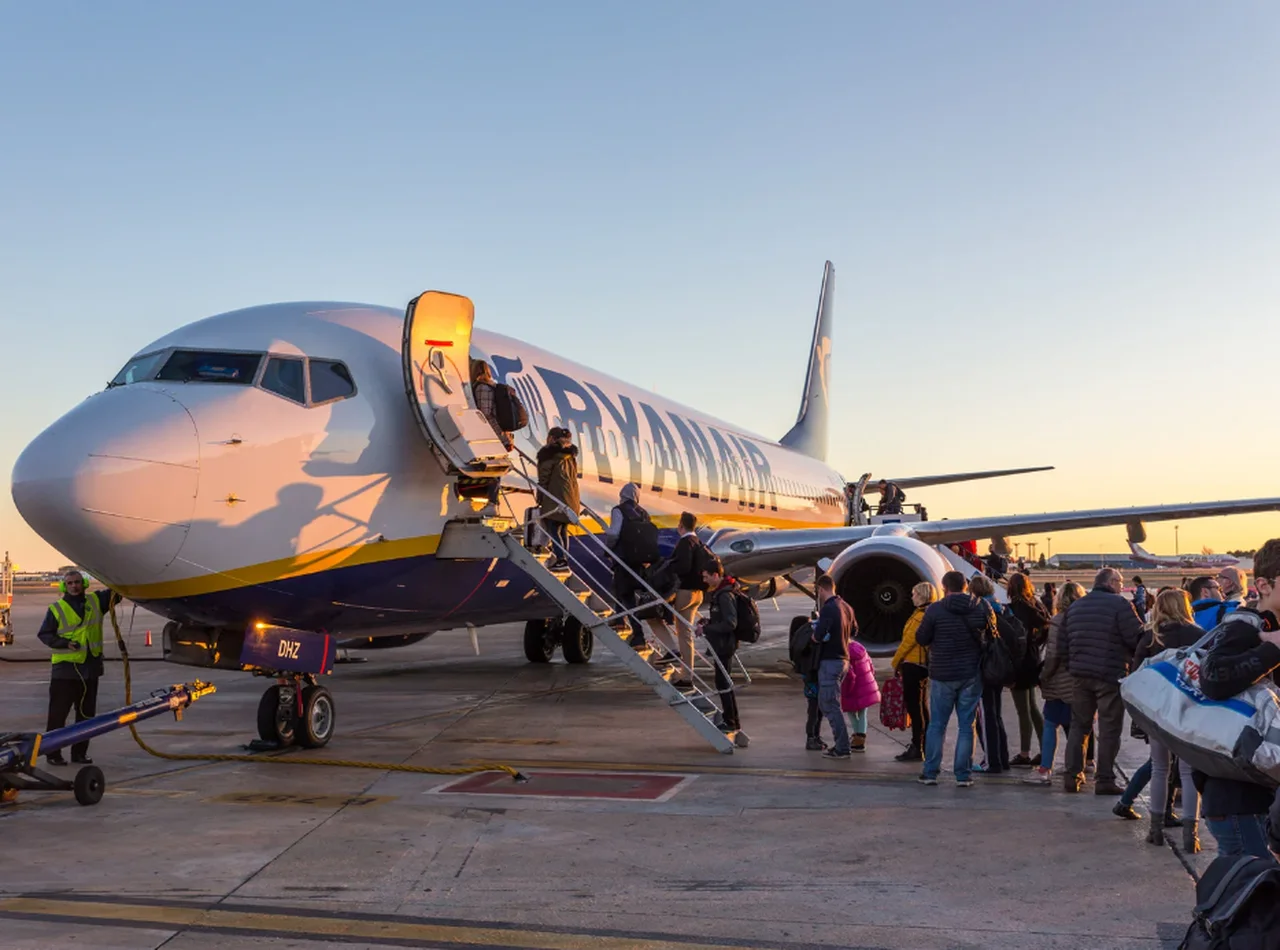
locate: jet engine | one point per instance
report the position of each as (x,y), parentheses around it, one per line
(875,577)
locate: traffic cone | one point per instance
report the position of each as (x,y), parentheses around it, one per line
(148,638)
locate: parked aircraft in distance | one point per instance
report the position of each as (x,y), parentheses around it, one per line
(1181,562)
(294,465)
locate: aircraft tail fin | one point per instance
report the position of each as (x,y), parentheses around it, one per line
(809,434)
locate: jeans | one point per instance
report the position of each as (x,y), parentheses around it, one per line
(995,740)
(1029,719)
(559,531)
(944,698)
(1057,715)
(813,721)
(1160,797)
(915,691)
(1137,782)
(1103,697)
(831,674)
(1240,834)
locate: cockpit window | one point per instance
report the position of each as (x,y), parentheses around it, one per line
(138,369)
(285,377)
(330,380)
(204,366)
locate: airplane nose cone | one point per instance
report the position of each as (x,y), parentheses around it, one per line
(112,484)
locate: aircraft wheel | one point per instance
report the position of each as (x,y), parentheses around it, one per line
(578,642)
(89,785)
(539,641)
(318,717)
(276,723)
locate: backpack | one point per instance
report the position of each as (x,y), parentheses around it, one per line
(703,559)
(1014,635)
(511,413)
(893,705)
(1237,905)
(638,539)
(800,645)
(748,629)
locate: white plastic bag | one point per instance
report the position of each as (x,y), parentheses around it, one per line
(1237,738)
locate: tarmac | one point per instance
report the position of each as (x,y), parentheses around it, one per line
(631,834)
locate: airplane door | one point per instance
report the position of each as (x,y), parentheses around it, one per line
(436,353)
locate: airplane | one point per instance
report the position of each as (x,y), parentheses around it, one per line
(1181,561)
(291,467)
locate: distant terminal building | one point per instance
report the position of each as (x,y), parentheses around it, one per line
(1081,562)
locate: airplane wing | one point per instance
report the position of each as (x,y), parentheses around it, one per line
(922,481)
(757,554)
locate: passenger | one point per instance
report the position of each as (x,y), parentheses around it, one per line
(1034,618)
(1057,686)
(891,498)
(1139,598)
(858,693)
(483,391)
(802,650)
(997,565)
(72,629)
(1242,655)
(559,500)
(689,559)
(911,662)
(1101,635)
(954,631)
(1170,629)
(633,538)
(721,632)
(832,631)
(1049,598)
(994,737)
(1206,601)
(1234,584)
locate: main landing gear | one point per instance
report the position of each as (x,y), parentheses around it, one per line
(541,637)
(295,711)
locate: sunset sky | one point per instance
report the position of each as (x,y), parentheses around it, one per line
(1055,227)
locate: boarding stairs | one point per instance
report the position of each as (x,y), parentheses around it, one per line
(580,586)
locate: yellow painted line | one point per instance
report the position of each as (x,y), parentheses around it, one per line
(168,917)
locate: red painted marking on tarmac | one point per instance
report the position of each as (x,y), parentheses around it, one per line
(629,786)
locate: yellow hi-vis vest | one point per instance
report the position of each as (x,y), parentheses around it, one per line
(86,632)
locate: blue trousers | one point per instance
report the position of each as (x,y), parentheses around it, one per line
(831,674)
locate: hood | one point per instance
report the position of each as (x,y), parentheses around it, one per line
(958,603)
(630,492)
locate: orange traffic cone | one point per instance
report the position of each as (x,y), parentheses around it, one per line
(148,638)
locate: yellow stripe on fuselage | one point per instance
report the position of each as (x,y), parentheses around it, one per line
(373,552)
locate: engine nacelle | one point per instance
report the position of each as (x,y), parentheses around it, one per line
(875,577)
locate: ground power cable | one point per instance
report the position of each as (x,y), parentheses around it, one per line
(291,759)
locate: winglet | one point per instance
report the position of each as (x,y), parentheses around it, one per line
(809,434)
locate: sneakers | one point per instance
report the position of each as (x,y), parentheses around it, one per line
(834,753)
(1072,784)
(1107,788)
(925,780)
(1121,810)
(910,754)
(1021,762)
(682,684)
(1035,761)
(1039,777)
(964,783)
(85,760)
(858,743)
(814,744)
(55,759)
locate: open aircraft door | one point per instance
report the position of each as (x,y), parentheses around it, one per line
(436,352)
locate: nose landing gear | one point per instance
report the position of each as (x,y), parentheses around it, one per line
(295,711)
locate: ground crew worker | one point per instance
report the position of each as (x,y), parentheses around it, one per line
(72,628)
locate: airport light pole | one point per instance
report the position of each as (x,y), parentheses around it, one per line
(1049,545)
(1176,551)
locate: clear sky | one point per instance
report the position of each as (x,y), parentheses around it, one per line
(1055,226)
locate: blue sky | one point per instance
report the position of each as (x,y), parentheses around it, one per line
(1054,227)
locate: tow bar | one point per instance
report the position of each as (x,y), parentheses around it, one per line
(19,751)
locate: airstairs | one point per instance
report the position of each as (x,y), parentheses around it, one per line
(583,591)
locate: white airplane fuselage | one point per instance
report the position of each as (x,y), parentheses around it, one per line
(223,503)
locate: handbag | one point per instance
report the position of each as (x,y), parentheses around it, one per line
(1236,738)
(893,706)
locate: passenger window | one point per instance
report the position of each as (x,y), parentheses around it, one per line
(285,377)
(330,380)
(202,366)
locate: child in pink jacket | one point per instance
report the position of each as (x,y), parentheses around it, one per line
(859,691)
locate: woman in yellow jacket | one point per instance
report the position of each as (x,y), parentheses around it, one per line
(912,662)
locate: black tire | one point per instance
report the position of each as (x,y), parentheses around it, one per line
(89,785)
(319,717)
(540,641)
(577,642)
(274,723)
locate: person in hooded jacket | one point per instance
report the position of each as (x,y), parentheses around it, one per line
(1170,628)
(954,630)
(1035,620)
(911,662)
(558,477)
(994,738)
(859,691)
(1056,686)
(688,560)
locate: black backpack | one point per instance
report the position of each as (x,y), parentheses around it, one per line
(748,629)
(1014,635)
(638,540)
(703,560)
(511,413)
(1237,906)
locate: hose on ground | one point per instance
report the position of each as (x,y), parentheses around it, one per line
(290,759)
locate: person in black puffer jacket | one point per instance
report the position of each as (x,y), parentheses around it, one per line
(1246,650)
(1101,636)
(1035,620)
